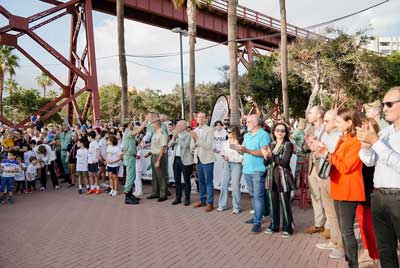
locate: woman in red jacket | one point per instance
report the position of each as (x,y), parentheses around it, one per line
(347,186)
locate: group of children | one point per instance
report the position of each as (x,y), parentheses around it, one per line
(14,170)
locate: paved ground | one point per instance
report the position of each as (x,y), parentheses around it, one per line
(64,229)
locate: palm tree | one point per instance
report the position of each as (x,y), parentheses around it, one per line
(10,85)
(122,60)
(284,61)
(191,14)
(8,63)
(44,81)
(233,77)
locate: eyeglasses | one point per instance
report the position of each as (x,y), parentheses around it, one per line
(280,130)
(390,104)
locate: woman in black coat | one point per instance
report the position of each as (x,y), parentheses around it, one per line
(279,181)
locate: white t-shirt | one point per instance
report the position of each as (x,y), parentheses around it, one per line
(50,154)
(82,159)
(219,139)
(113,154)
(20,176)
(93,157)
(31,171)
(103,147)
(27,155)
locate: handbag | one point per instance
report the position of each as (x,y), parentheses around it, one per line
(325,169)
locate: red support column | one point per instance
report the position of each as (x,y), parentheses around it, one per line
(81,13)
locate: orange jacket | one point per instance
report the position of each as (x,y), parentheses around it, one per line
(346,174)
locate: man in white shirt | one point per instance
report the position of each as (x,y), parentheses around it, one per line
(383,151)
(204,157)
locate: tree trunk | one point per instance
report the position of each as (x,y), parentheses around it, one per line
(191,14)
(284,61)
(1,91)
(122,60)
(233,76)
(313,96)
(44,91)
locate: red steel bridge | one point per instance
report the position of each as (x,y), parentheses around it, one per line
(262,30)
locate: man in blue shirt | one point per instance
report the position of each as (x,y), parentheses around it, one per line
(253,167)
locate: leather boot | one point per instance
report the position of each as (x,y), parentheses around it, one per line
(129,200)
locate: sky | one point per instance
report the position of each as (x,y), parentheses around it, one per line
(164,73)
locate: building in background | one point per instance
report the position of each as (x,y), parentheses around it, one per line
(384,45)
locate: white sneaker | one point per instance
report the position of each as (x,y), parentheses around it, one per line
(328,245)
(220,209)
(115,193)
(252,211)
(111,193)
(235,211)
(364,257)
(42,189)
(57,188)
(336,253)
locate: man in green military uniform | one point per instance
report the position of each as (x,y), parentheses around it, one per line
(129,159)
(64,138)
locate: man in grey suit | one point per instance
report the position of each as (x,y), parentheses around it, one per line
(183,161)
(204,157)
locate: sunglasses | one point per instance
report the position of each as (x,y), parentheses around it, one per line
(390,104)
(280,130)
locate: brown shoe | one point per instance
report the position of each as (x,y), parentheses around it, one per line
(199,205)
(326,234)
(209,208)
(314,229)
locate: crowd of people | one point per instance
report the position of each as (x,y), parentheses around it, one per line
(351,161)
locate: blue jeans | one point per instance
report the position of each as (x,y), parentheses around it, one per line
(9,182)
(232,171)
(256,185)
(206,182)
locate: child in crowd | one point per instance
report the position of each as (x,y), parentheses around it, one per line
(9,168)
(93,163)
(20,177)
(113,159)
(140,162)
(82,165)
(31,173)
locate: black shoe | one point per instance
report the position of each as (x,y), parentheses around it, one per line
(187,203)
(256,229)
(161,199)
(176,202)
(152,197)
(135,198)
(250,221)
(129,200)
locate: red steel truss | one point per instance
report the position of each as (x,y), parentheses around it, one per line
(212,25)
(78,66)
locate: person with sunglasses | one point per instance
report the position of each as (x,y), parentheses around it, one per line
(374,110)
(382,150)
(279,180)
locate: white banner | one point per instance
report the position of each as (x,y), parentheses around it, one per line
(219,166)
(220,111)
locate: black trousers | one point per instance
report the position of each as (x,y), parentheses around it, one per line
(31,185)
(287,225)
(43,175)
(20,186)
(179,169)
(346,213)
(386,217)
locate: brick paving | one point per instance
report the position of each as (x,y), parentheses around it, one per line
(64,229)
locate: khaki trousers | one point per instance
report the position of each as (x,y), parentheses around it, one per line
(319,217)
(329,207)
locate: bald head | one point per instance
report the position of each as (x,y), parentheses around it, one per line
(330,120)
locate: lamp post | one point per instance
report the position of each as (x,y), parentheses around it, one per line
(184,33)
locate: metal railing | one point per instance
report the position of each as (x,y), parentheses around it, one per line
(258,18)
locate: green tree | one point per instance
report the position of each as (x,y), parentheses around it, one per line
(10,85)
(8,64)
(23,102)
(44,81)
